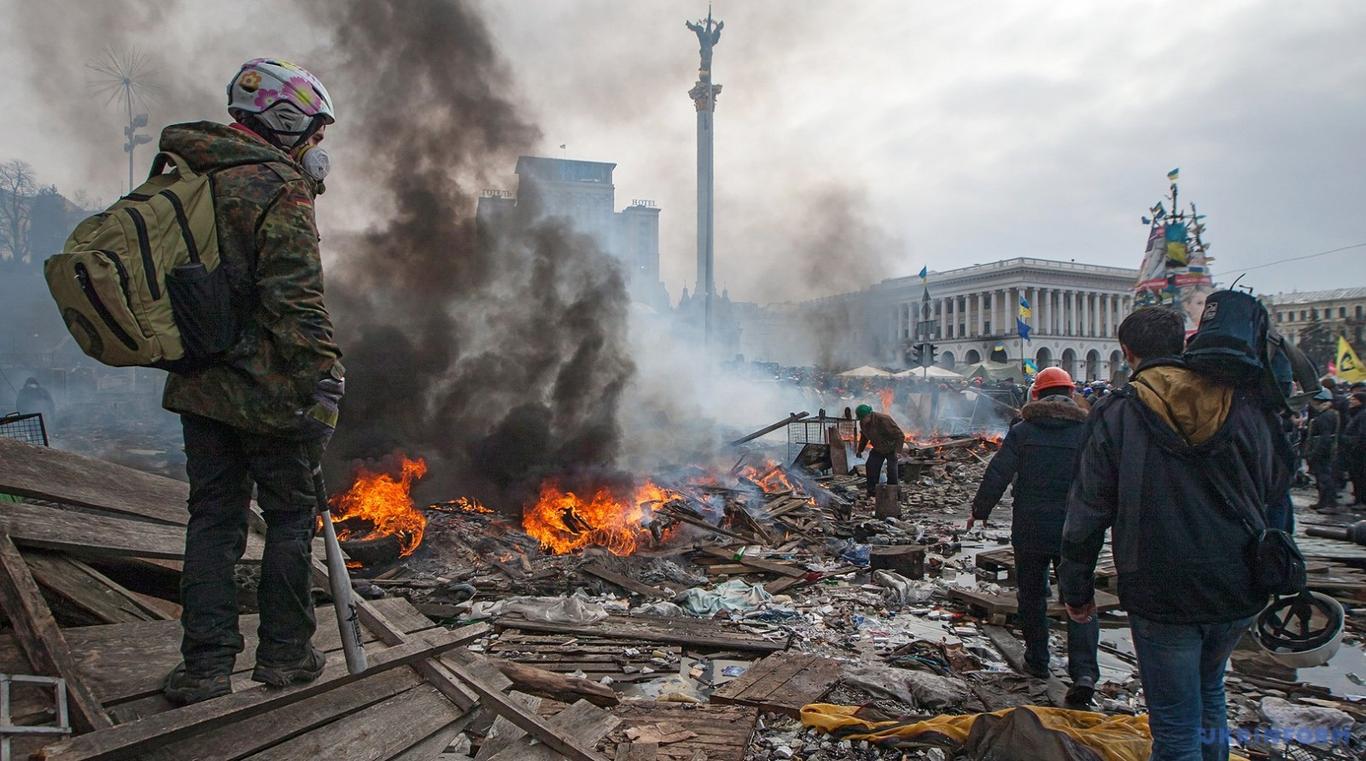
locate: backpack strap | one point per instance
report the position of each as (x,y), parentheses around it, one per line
(163,158)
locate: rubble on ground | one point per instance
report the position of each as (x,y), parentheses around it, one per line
(759,596)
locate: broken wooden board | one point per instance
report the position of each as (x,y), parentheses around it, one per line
(89,535)
(1014,652)
(702,634)
(781,683)
(625,582)
(94,593)
(1003,559)
(582,723)
(42,642)
(720,732)
(491,698)
(758,564)
(995,608)
(134,738)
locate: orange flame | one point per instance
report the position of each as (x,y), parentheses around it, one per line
(562,521)
(886,397)
(461,505)
(771,479)
(383,503)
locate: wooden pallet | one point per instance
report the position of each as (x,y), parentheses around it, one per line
(996,608)
(1003,559)
(720,732)
(781,683)
(596,657)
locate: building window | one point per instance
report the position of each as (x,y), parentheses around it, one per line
(1342,312)
(1303,315)
(1359,310)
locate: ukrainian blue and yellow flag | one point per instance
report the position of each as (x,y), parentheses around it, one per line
(1030,369)
(1173,174)
(924,272)
(1022,318)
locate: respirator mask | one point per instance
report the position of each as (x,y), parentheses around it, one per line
(315,162)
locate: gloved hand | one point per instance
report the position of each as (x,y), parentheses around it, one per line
(320,419)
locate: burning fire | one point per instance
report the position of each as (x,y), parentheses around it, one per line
(461,505)
(562,521)
(379,505)
(886,397)
(771,479)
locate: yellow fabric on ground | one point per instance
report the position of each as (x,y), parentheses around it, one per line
(1112,738)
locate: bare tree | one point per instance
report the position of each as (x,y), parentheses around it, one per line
(17,187)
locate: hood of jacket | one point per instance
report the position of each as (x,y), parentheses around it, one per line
(1054,408)
(1189,403)
(209,146)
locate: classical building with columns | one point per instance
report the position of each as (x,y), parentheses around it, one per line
(1075,311)
(970,311)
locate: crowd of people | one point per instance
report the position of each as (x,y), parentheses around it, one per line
(1183,469)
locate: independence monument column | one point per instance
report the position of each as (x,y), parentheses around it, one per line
(703,95)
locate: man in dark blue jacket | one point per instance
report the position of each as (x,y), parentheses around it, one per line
(1156,457)
(1038,454)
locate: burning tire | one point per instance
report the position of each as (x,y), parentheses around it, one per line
(373,552)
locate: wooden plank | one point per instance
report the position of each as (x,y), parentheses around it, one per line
(93,594)
(52,474)
(241,739)
(495,701)
(768,566)
(378,732)
(129,740)
(723,730)
(503,733)
(625,582)
(581,723)
(433,748)
(121,662)
(40,638)
(87,534)
(671,631)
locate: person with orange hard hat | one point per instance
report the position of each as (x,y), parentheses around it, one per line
(1037,455)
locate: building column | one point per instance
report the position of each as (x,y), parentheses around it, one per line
(1085,314)
(981,313)
(1109,328)
(1045,326)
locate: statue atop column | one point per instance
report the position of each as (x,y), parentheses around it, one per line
(708,34)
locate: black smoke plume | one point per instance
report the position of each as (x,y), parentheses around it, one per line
(499,356)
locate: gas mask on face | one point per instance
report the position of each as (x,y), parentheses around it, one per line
(316,163)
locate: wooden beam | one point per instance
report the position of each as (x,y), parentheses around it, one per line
(126,741)
(791,418)
(52,528)
(581,724)
(549,684)
(40,638)
(515,712)
(73,479)
(665,631)
(93,593)
(625,582)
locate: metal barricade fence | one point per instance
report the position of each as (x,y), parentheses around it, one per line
(28,428)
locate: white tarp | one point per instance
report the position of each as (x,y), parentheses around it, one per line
(934,371)
(867,371)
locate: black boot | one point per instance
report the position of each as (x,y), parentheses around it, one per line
(183,688)
(302,671)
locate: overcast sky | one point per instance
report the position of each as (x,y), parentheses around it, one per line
(863,140)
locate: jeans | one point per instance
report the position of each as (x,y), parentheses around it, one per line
(223,462)
(1031,572)
(874,468)
(1182,669)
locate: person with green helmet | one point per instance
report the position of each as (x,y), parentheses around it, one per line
(886,438)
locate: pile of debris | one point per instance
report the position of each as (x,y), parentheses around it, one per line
(772,614)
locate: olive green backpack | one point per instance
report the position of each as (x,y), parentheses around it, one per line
(140,283)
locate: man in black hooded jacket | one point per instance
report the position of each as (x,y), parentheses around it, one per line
(1156,458)
(1038,455)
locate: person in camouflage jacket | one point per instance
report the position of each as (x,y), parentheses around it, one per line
(263,413)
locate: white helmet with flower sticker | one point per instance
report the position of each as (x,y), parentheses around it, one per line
(283,97)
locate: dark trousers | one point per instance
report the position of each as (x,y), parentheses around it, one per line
(223,462)
(874,468)
(1325,482)
(1083,640)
